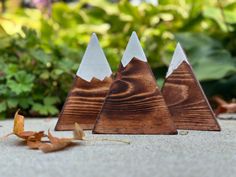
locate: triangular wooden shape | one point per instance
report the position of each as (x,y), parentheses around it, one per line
(89,90)
(134,105)
(83,103)
(185,98)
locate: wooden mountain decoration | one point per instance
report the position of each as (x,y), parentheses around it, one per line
(185,97)
(88,92)
(134,105)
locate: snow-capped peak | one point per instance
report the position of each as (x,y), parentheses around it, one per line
(133,49)
(94,62)
(178,57)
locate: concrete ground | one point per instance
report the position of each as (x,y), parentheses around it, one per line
(196,154)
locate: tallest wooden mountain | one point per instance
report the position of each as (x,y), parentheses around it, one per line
(185,97)
(88,92)
(134,104)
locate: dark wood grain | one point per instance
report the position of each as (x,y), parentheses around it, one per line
(187,102)
(134,105)
(83,103)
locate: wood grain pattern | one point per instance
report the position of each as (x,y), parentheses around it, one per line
(83,103)
(187,102)
(134,105)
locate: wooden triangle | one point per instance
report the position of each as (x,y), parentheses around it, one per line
(89,90)
(83,103)
(134,105)
(187,101)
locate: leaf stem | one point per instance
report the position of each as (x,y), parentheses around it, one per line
(107,139)
(6,136)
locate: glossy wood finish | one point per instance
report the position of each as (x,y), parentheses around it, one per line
(83,103)
(187,101)
(134,105)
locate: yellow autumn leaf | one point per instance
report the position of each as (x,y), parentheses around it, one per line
(18,129)
(18,123)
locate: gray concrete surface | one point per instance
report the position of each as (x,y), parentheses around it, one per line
(197,154)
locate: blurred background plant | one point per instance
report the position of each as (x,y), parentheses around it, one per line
(42,43)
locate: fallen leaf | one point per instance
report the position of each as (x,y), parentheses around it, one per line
(47,147)
(34,144)
(34,141)
(55,144)
(223,106)
(25,134)
(78,132)
(18,123)
(18,129)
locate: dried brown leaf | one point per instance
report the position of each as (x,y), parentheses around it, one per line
(223,106)
(52,138)
(56,143)
(25,134)
(34,141)
(78,132)
(34,144)
(47,147)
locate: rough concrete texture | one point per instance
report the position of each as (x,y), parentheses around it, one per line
(197,154)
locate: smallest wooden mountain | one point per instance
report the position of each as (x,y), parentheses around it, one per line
(88,92)
(185,98)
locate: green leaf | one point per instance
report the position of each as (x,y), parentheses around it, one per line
(3,106)
(2,32)
(45,75)
(25,102)
(51,100)
(221,18)
(21,82)
(12,102)
(230,17)
(45,109)
(215,14)
(3,90)
(214,66)
(48,107)
(5,42)
(41,56)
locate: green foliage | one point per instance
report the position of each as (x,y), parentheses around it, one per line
(33,78)
(38,62)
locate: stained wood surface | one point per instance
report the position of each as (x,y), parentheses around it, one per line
(187,102)
(134,105)
(83,103)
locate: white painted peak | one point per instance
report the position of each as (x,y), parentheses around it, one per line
(133,49)
(94,62)
(178,58)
